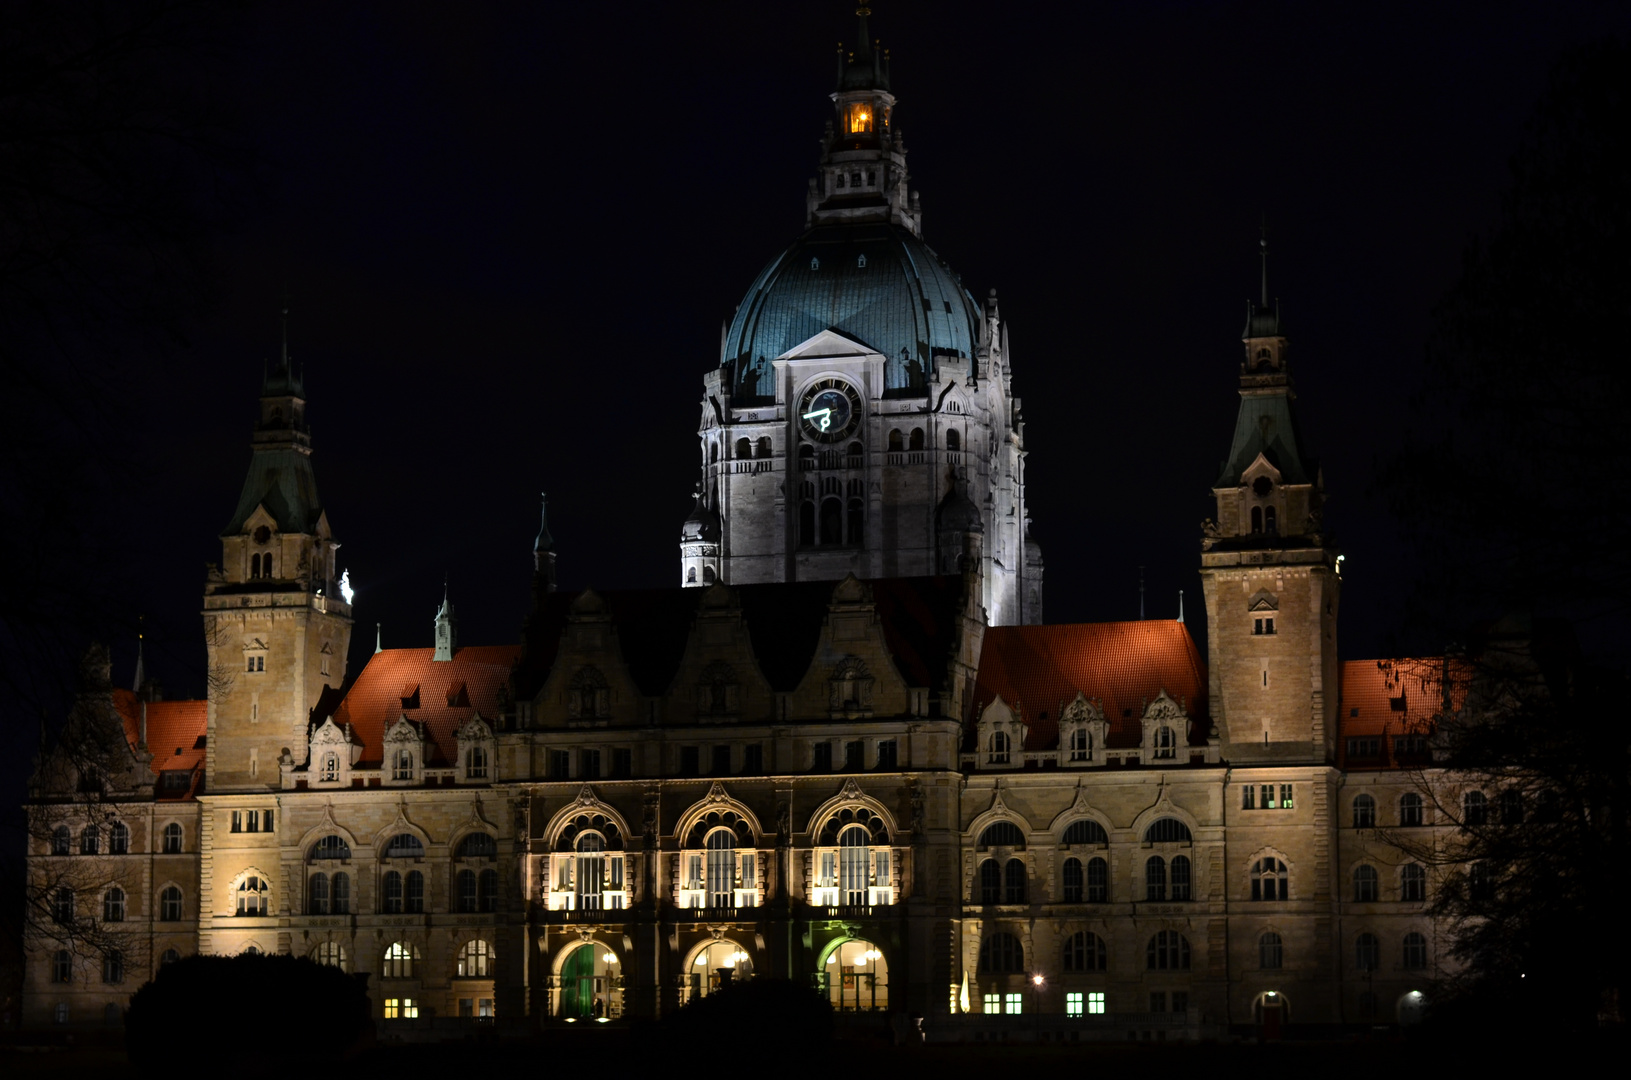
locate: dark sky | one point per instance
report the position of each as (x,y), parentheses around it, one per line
(511,233)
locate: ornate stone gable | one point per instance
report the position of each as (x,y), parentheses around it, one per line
(1083,730)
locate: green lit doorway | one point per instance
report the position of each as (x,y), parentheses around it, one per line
(590,988)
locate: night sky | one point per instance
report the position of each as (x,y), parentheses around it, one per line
(510,234)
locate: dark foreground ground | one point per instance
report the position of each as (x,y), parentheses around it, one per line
(622,1050)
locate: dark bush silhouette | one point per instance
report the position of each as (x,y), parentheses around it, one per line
(779,1012)
(223,1008)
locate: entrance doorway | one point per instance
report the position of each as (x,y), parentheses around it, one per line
(1271,1011)
(855,976)
(590,988)
(716,964)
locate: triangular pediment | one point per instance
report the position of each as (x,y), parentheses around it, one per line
(827,344)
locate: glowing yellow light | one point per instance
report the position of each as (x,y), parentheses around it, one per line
(600,1019)
(701,960)
(609,958)
(1037,979)
(833,959)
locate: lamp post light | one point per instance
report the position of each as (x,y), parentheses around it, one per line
(1038,981)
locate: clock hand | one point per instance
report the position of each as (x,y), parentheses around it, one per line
(825,414)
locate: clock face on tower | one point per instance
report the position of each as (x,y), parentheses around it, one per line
(830,410)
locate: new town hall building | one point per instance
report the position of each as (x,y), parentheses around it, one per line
(847,751)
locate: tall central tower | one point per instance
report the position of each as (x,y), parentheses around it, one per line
(861,417)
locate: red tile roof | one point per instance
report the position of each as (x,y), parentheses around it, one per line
(175,736)
(440,695)
(1040,669)
(1383,698)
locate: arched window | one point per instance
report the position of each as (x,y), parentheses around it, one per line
(1098,881)
(855,522)
(807,458)
(744,449)
(763,450)
(172,839)
(1367,953)
(478,845)
(832,521)
(1167,831)
(332,846)
(1180,877)
(1001,954)
(1365,884)
(916,441)
(1413,883)
(340,894)
(489,886)
(398,961)
(1168,950)
(853,844)
(1085,831)
(113,968)
(1166,743)
(61,841)
(62,967)
(475,960)
(1270,951)
(255,566)
(331,767)
(855,456)
(90,841)
(1081,744)
(996,748)
(1013,882)
(414,892)
(252,896)
(169,956)
(62,905)
(170,904)
(1269,880)
(807,528)
(1415,951)
(317,895)
(1155,878)
(330,954)
(1474,810)
(1268,521)
(1001,834)
(691,576)
(113,905)
(1074,881)
(118,839)
(391,892)
(708,576)
(403,769)
(990,882)
(896,443)
(954,441)
(1364,812)
(713,453)
(591,870)
(465,887)
(1257,519)
(1410,810)
(1084,951)
(405,846)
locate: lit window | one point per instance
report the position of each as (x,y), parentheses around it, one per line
(331,767)
(1286,802)
(252,896)
(398,961)
(172,839)
(475,960)
(1270,880)
(1013,1004)
(860,118)
(1073,1004)
(1095,1004)
(401,1009)
(991,1003)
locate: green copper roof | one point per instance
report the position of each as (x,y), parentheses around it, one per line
(282,479)
(876,283)
(1265,425)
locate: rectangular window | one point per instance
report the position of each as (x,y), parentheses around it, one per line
(693,872)
(1364,748)
(393,1008)
(1285,797)
(829,869)
(887,761)
(690,761)
(1269,802)
(1073,1004)
(484,1007)
(722,761)
(991,1003)
(622,763)
(560,764)
(252,821)
(1158,1001)
(254,761)
(1248,797)
(1095,1004)
(589,764)
(823,757)
(854,756)
(1013,1004)
(467,1009)
(266,821)
(753,759)
(880,867)
(1180,1001)
(237,821)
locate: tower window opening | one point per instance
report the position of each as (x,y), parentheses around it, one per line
(691,576)
(896,443)
(744,449)
(254,566)
(807,459)
(831,521)
(807,519)
(763,450)
(1257,519)
(1269,525)
(860,261)
(954,441)
(860,120)
(856,523)
(854,179)
(917,438)
(713,453)
(855,456)
(843,181)
(1263,626)
(707,575)
(871,178)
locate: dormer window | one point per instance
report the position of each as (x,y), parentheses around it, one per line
(331,768)
(1081,745)
(403,770)
(1166,743)
(996,749)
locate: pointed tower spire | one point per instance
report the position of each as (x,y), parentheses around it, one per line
(447,628)
(379,638)
(141,674)
(543,549)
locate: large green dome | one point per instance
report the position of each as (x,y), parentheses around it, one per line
(877,283)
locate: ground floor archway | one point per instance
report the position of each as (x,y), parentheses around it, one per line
(713,965)
(590,988)
(854,975)
(1271,1012)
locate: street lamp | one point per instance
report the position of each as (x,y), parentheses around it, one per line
(1038,980)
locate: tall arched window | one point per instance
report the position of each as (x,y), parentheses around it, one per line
(1364,812)
(1270,880)
(391,892)
(1001,954)
(465,889)
(1180,877)
(1168,950)
(1415,951)
(591,871)
(1098,881)
(954,441)
(172,839)
(90,841)
(1410,810)
(1413,883)
(317,899)
(255,565)
(1074,881)
(330,954)
(853,844)
(252,897)
(61,841)
(854,456)
(1167,831)
(1474,810)
(1001,834)
(1367,952)
(744,449)
(113,905)
(488,882)
(990,882)
(896,443)
(170,904)
(62,905)
(113,970)
(916,442)
(1085,831)
(475,960)
(1155,878)
(403,770)
(340,894)
(1270,951)
(996,748)
(1013,882)
(1081,745)
(763,450)
(118,839)
(414,892)
(1084,951)
(398,961)
(1269,525)
(1257,519)
(1166,743)
(1365,884)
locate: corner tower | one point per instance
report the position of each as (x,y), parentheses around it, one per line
(1269,571)
(858,384)
(276,630)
